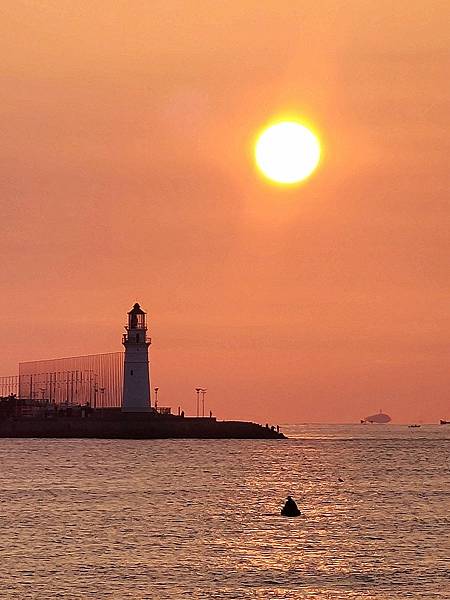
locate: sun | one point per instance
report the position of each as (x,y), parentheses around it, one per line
(287,152)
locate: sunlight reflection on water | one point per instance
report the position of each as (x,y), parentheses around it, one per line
(200,519)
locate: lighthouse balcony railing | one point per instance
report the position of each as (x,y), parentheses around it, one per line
(137,326)
(142,338)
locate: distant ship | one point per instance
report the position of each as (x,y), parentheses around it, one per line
(445,422)
(380,417)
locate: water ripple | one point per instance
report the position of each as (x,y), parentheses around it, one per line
(90,519)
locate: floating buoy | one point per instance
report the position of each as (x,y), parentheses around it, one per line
(290,509)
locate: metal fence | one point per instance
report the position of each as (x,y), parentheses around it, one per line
(9,385)
(96,379)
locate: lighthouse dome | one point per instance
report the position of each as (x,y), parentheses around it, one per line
(136,310)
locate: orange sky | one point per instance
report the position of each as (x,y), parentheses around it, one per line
(126,136)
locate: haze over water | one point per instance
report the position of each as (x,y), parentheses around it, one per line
(84,519)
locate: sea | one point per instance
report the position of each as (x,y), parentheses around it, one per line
(200,519)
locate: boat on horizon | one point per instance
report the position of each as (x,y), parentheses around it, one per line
(379,418)
(443,422)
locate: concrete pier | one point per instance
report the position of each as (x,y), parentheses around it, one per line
(114,424)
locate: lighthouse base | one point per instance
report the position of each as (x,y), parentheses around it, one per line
(137,409)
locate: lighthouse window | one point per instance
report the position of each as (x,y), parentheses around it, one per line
(131,372)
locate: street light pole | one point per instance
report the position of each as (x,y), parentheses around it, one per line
(156,399)
(198,390)
(203,392)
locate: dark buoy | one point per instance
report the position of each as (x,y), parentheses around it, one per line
(290,508)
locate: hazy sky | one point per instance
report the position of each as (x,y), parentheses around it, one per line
(127,175)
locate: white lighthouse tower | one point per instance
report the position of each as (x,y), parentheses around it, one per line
(136,379)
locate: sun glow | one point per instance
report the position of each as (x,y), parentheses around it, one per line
(287,152)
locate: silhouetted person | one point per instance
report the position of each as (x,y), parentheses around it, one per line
(290,508)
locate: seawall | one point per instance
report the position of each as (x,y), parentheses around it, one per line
(133,426)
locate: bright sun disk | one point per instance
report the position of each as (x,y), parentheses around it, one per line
(287,152)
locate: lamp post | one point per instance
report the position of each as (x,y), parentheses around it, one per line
(203,392)
(96,391)
(156,398)
(198,390)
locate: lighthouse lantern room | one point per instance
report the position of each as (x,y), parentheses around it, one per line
(136,380)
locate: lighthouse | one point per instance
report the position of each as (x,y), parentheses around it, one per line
(136,380)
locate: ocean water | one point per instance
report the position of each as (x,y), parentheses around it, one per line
(88,519)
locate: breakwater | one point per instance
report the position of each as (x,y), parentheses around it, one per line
(118,425)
